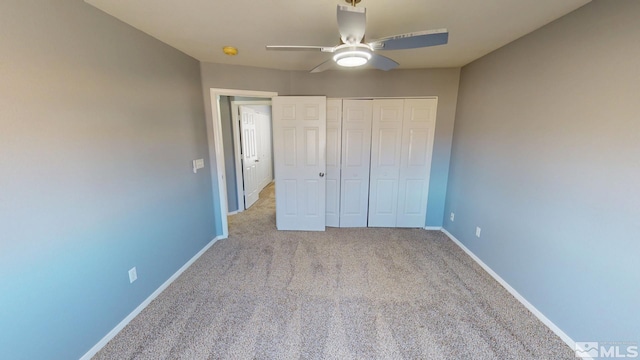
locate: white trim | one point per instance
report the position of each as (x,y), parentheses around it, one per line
(436,228)
(553,327)
(217,149)
(232,213)
(235,122)
(97,347)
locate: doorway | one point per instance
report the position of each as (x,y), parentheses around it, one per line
(217,150)
(253,150)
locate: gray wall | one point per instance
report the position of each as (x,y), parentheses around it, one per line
(546,160)
(98,126)
(241,78)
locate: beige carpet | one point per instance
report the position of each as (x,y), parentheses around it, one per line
(339,294)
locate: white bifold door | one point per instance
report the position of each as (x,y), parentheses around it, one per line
(334,144)
(386,147)
(299,139)
(401,152)
(356,154)
(418,131)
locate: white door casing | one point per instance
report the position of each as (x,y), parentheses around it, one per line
(418,130)
(299,138)
(386,137)
(250,173)
(356,149)
(334,144)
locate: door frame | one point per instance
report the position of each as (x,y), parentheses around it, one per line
(237,138)
(216,149)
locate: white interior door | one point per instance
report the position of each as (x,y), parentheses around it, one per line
(386,137)
(299,138)
(356,150)
(250,159)
(417,148)
(263,122)
(334,144)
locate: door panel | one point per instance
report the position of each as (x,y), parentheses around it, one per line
(356,150)
(299,143)
(263,126)
(334,145)
(250,171)
(385,161)
(417,149)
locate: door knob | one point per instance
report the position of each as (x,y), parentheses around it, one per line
(321,174)
(257,160)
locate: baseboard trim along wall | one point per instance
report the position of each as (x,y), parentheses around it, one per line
(515,294)
(94,350)
(435,228)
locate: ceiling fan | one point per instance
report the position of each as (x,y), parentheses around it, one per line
(353,52)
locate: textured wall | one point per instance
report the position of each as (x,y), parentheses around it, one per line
(546,160)
(99,124)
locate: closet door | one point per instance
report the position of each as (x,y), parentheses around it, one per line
(386,137)
(334,144)
(356,150)
(418,130)
(299,139)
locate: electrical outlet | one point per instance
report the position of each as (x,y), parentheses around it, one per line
(133,275)
(452,216)
(478,231)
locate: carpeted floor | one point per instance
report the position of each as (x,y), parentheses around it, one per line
(339,294)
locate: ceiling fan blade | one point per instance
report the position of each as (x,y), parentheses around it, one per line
(324,66)
(300,48)
(412,40)
(351,23)
(382,62)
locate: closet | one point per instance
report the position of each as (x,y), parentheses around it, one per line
(378,161)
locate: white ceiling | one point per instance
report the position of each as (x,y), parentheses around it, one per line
(201,28)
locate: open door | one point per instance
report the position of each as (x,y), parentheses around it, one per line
(299,144)
(249,155)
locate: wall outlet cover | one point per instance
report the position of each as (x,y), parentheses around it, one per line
(133,275)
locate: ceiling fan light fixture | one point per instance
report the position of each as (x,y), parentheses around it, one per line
(352,58)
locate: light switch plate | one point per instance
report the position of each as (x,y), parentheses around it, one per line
(198,164)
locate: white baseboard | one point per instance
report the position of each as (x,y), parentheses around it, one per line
(94,350)
(436,228)
(232,212)
(553,327)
